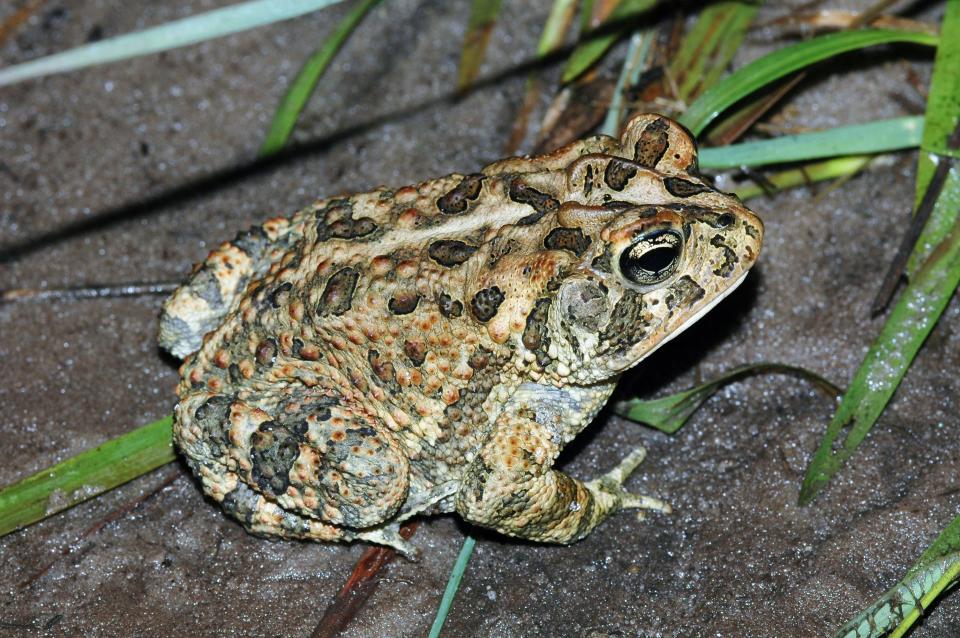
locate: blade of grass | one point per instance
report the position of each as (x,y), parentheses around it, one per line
(592,48)
(483,16)
(769,68)
(453,584)
(179,33)
(839,167)
(903,604)
(633,64)
(556,27)
(86,475)
(874,137)
(932,283)
(302,87)
(710,45)
(668,414)
(887,361)
(737,121)
(943,114)
(554,32)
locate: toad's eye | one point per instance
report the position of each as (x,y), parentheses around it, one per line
(652,258)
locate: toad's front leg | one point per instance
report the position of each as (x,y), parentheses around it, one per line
(512,488)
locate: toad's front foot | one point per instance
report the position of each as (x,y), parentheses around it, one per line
(608,489)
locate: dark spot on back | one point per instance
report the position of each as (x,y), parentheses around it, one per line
(588,181)
(450,252)
(266,352)
(485,303)
(351,228)
(542,203)
(403,303)
(449,307)
(457,200)
(652,144)
(682,188)
(338,294)
(618,173)
(415,350)
(571,239)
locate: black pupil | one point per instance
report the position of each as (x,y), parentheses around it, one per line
(657,259)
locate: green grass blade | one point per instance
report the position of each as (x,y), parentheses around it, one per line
(179,33)
(635,61)
(942,115)
(453,584)
(710,46)
(556,26)
(769,68)
(908,325)
(840,167)
(874,137)
(483,16)
(934,571)
(932,283)
(670,413)
(588,52)
(302,87)
(86,475)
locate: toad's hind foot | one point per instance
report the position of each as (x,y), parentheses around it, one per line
(608,488)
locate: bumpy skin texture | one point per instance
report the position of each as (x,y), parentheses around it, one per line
(434,348)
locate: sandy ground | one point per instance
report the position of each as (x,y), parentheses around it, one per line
(126,172)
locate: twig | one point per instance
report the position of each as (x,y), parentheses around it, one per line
(359,587)
(93,291)
(924,210)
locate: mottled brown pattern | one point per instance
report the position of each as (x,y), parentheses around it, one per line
(571,239)
(653,143)
(542,203)
(450,252)
(457,200)
(403,303)
(337,385)
(449,307)
(338,293)
(536,332)
(682,187)
(485,303)
(618,174)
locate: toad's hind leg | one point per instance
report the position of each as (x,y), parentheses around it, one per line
(318,470)
(511,487)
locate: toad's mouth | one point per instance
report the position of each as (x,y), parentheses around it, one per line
(628,361)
